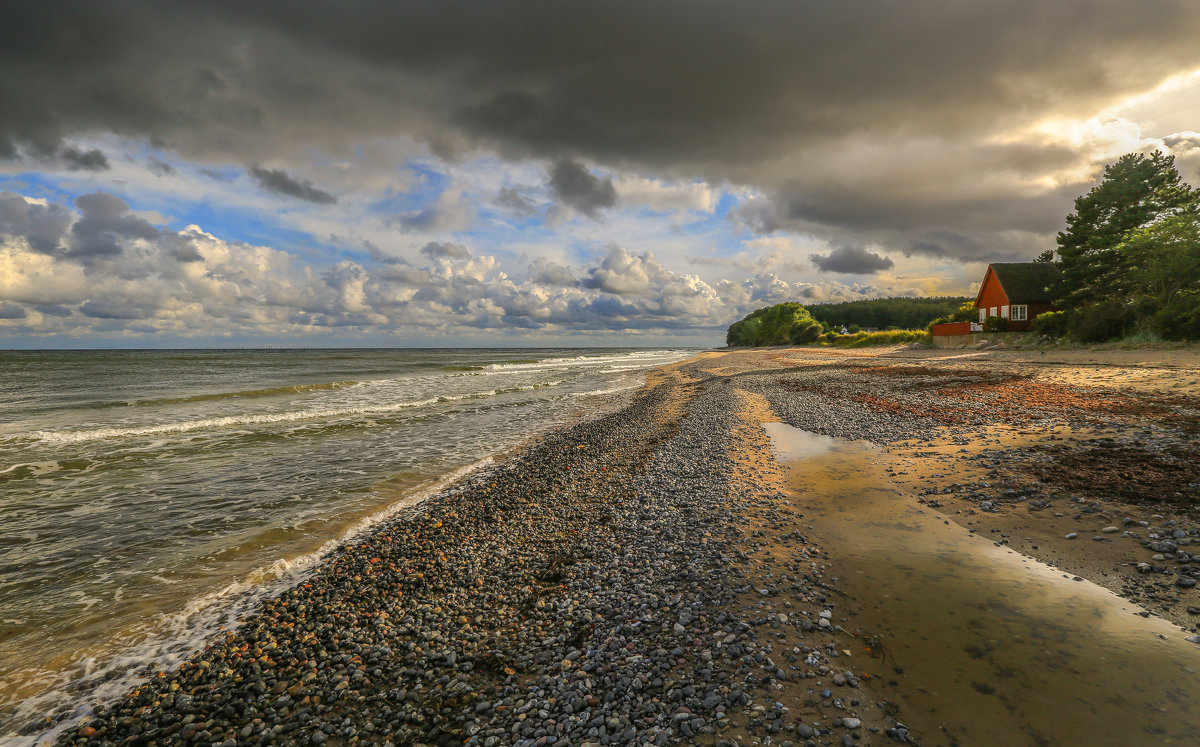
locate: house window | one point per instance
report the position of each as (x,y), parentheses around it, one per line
(1020,312)
(982,315)
(1004,311)
(993,312)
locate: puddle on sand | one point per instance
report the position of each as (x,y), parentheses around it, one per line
(995,647)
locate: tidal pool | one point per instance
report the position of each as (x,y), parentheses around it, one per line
(984,645)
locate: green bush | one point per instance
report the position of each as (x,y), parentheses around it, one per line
(1101,322)
(804,331)
(781,324)
(964,313)
(1051,324)
(996,324)
(1179,319)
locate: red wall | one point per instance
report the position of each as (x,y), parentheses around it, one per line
(991,294)
(1034,310)
(952,328)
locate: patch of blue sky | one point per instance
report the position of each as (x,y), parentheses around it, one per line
(496,234)
(725,236)
(394,202)
(225,220)
(251,226)
(499,220)
(718,217)
(428,184)
(41,186)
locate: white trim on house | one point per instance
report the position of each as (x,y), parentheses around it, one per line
(982,315)
(1020,312)
(1004,312)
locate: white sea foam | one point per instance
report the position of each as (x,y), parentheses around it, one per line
(165,639)
(222,422)
(177,634)
(598,392)
(230,421)
(652,358)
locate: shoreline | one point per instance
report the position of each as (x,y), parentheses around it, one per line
(600,585)
(281,503)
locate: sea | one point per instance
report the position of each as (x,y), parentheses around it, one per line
(150,497)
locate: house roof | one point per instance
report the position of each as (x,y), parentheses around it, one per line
(1026,282)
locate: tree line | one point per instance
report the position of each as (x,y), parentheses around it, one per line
(794,324)
(902,312)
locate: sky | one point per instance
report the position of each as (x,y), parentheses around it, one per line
(194,174)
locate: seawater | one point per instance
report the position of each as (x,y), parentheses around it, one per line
(149,497)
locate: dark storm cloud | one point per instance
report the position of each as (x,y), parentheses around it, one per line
(179,248)
(159,168)
(83,160)
(926,248)
(549,273)
(445,250)
(280,182)
(765,94)
(851,260)
(679,82)
(447,213)
(576,186)
(11,311)
(106,309)
(105,225)
(379,255)
(514,202)
(53,310)
(43,226)
(758,214)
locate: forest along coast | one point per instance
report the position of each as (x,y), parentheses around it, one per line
(654,576)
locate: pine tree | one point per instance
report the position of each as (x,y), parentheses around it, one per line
(1134,192)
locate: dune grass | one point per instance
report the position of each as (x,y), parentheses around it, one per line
(874,339)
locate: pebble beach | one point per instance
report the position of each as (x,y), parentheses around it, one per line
(650,577)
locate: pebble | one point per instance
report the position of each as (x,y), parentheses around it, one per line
(560,597)
(566,596)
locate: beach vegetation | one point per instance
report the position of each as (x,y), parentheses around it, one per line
(791,324)
(996,324)
(782,324)
(965,312)
(1052,325)
(886,337)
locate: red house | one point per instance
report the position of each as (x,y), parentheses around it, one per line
(1016,291)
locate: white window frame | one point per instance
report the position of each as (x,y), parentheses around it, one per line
(1004,311)
(1020,312)
(982,315)
(993,312)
